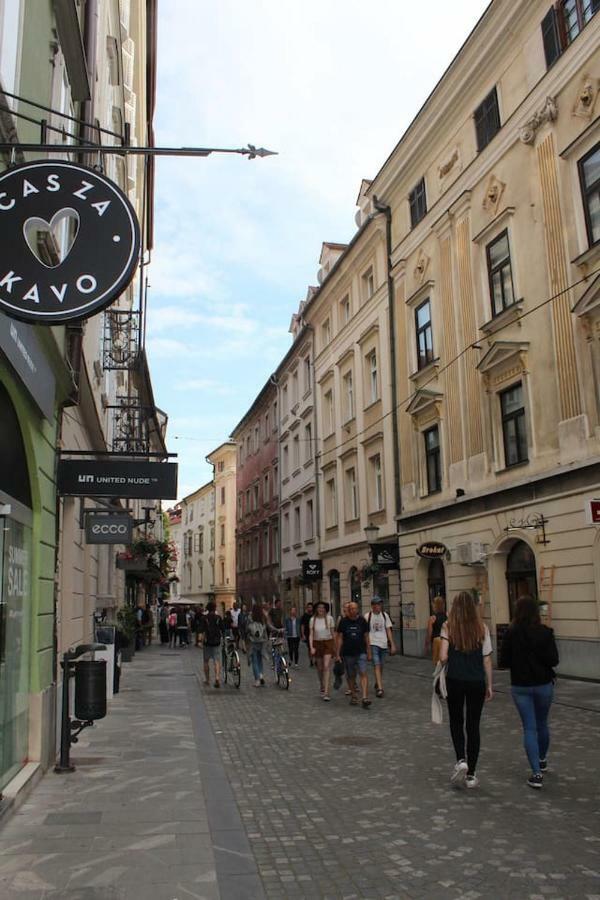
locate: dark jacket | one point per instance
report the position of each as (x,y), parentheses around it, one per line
(529,651)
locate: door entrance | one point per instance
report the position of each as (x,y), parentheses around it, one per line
(521,575)
(436,582)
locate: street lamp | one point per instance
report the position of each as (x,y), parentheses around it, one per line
(371,532)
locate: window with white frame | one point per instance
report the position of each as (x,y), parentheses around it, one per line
(267,427)
(212,537)
(294,387)
(275,542)
(286,529)
(348,396)
(222,570)
(222,536)
(112,53)
(266,547)
(285,461)
(266,493)
(296,447)
(331,503)
(424,334)
(256,438)
(433,459)
(255,497)
(373,387)
(310,524)
(325,333)
(500,273)
(368,284)
(307,374)
(589,175)
(328,413)
(307,442)
(200,574)
(514,429)
(297,525)
(284,399)
(345,311)
(376,482)
(351,494)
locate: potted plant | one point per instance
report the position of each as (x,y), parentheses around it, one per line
(126,623)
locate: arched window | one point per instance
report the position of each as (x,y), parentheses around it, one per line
(355,588)
(335,595)
(436,581)
(521,576)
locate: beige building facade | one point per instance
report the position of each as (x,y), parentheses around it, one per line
(494,193)
(196,545)
(349,318)
(224,460)
(299,521)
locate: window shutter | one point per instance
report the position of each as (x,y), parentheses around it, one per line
(550,37)
(561,26)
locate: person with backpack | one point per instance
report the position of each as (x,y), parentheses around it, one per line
(256,637)
(529,650)
(172,621)
(212,629)
(354,648)
(322,645)
(380,638)
(467,651)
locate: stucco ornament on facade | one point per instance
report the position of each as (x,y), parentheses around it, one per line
(421,267)
(493,194)
(586,97)
(548,113)
(447,167)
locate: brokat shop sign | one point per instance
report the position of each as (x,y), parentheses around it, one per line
(69,242)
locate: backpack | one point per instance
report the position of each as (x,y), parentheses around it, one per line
(172,620)
(212,630)
(256,631)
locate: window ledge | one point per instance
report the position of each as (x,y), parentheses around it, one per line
(429,369)
(512,313)
(331,527)
(297,545)
(348,422)
(330,435)
(517,465)
(296,472)
(306,394)
(372,403)
(309,540)
(307,463)
(353,519)
(589,256)
(285,480)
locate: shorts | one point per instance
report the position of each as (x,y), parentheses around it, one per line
(211,652)
(353,664)
(379,655)
(324,648)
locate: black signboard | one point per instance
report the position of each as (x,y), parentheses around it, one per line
(114,478)
(386,556)
(23,349)
(312,569)
(432,550)
(69,242)
(108,528)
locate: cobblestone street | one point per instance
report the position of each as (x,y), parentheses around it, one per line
(188,792)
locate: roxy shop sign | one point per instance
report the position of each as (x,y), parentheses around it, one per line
(69,242)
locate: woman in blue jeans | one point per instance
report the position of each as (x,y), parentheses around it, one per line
(529,651)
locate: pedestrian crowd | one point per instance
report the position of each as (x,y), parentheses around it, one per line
(459,643)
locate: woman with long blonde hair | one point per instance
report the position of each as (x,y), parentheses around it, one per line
(467,651)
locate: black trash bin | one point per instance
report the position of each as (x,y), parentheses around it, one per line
(90,689)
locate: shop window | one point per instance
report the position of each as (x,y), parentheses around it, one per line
(521,577)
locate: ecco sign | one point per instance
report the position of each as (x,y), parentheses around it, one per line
(108,528)
(69,242)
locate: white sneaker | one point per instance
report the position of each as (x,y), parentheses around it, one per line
(459,774)
(257,683)
(472,781)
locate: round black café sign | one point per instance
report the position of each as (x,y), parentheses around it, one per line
(69,242)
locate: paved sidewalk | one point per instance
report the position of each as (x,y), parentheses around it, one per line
(190,792)
(148,814)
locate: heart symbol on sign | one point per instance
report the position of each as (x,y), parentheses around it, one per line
(51,242)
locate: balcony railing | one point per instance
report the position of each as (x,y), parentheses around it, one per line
(129,426)
(121,338)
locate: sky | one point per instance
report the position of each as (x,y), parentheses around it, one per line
(331,85)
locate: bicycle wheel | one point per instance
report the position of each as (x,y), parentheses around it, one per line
(236,669)
(283,676)
(224,662)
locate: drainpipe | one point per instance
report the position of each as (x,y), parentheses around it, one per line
(90,39)
(385,210)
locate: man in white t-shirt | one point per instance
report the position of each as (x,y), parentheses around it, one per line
(235,622)
(380,637)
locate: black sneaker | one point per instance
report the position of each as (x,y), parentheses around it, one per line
(543,765)
(536,780)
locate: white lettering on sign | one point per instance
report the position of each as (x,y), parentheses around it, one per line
(32,294)
(60,294)
(83,190)
(9,280)
(6,205)
(29,188)
(53,183)
(110,529)
(86,284)
(18,568)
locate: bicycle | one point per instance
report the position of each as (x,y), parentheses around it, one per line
(230,659)
(280,663)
